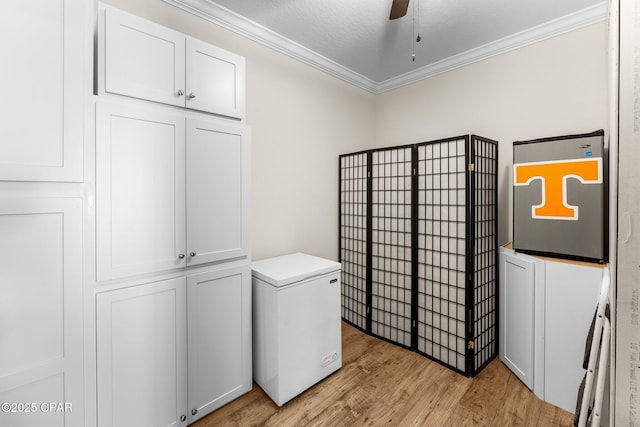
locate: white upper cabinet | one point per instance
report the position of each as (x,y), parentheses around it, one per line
(139,190)
(215,79)
(145,60)
(43,44)
(171,191)
(217,190)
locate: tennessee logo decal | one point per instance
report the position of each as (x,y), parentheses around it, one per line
(554,176)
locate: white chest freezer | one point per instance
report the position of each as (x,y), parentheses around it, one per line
(297,339)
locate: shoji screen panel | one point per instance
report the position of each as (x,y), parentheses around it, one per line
(353,237)
(391,268)
(442,237)
(485,244)
(418,246)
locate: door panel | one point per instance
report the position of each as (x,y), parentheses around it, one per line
(139,190)
(217,191)
(42,103)
(141,355)
(143,59)
(219,323)
(517,325)
(41,350)
(215,78)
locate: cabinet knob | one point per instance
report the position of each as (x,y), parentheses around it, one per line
(181,256)
(183,418)
(192,254)
(192,95)
(180,92)
(194,411)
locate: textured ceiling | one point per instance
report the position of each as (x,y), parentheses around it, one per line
(357,34)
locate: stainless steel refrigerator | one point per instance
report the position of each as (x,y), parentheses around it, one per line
(560,197)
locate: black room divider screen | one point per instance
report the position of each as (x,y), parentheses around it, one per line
(418,247)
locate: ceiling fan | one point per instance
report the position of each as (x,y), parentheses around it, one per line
(398,9)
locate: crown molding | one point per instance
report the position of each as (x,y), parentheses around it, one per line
(231,21)
(573,21)
(238,24)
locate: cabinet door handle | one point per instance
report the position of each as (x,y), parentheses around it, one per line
(180,92)
(192,95)
(194,411)
(192,254)
(183,418)
(180,256)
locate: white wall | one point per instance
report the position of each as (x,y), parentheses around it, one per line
(301,119)
(557,86)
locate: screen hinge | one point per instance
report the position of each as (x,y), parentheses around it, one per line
(471,167)
(472,345)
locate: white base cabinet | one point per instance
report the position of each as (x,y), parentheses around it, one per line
(172,351)
(546,307)
(142,355)
(219,335)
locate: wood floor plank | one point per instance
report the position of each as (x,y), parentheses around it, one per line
(381,384)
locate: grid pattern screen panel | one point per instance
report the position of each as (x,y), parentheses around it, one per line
(353,234)
(442,251)
(391,245)
(485,247)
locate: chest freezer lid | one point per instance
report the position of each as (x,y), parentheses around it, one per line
(287,269)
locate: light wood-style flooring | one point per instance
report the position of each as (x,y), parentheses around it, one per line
(382,384)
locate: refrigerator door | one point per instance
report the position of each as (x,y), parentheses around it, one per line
(559,204)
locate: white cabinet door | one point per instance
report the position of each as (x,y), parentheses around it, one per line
(41,347)
(141,355)
(215,79)
(143,59)
(572,291)
(219,324)
(139,190)
(217,190)
(42,43)
(517,321)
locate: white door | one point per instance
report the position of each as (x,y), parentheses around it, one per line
(215,79)
(219,324)
(143,59)
(41,347)
(139,190)
(42,43)
(217,191)
(517,322)
(141,355)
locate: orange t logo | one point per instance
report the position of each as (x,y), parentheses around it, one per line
(554,176)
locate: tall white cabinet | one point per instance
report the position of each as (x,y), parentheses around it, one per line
(173,283)
(46,51)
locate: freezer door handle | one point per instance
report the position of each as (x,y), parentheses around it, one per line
(333,280)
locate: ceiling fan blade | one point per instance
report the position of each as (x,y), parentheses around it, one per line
(398,9)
